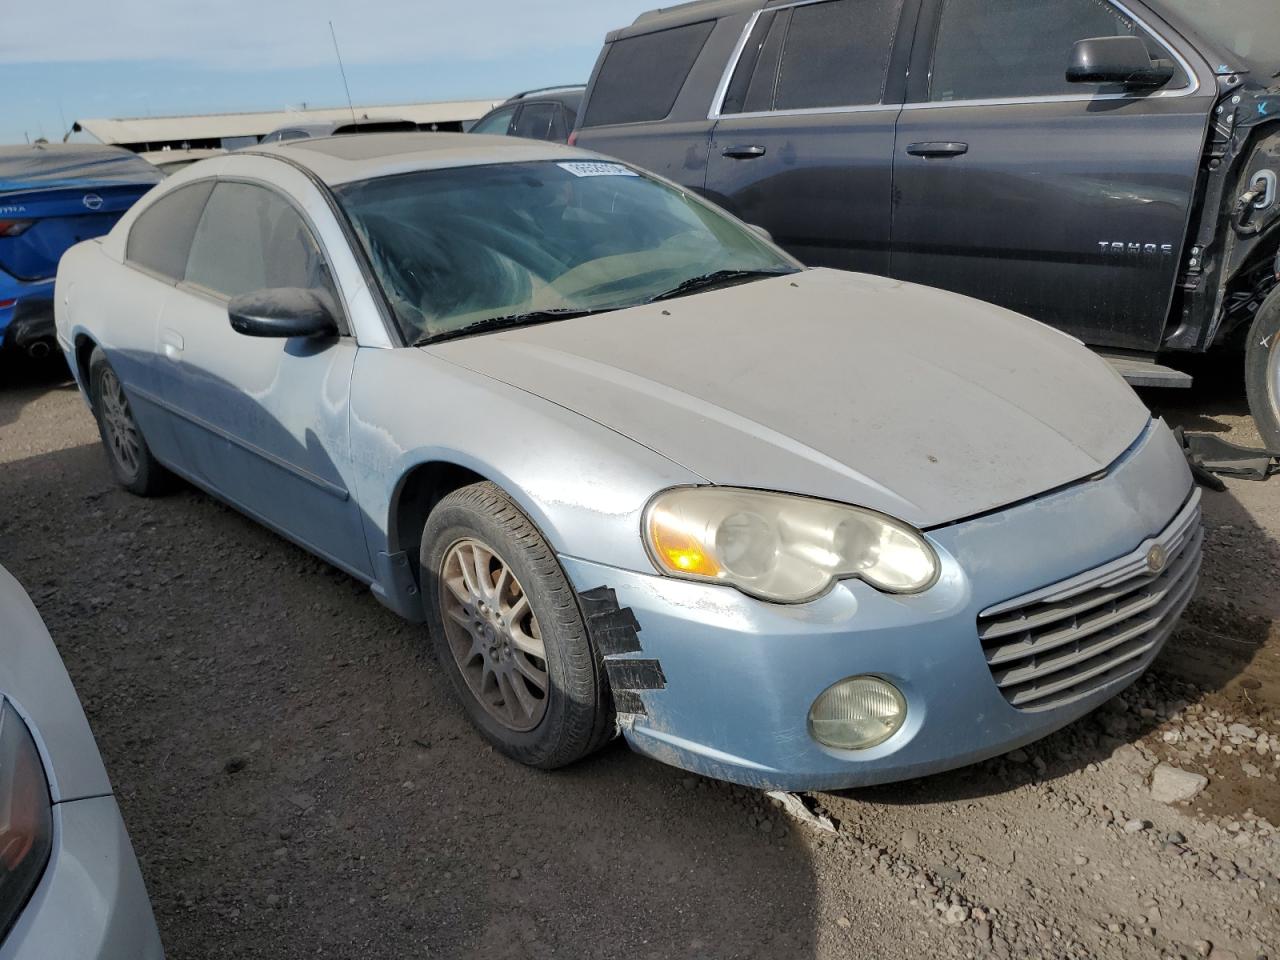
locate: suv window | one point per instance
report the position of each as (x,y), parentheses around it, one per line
(250,238)
(642,76)
(540,121)
(999,49)
(498,122)
(161,236)
(832,54)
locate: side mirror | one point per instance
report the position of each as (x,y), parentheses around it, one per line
(761,231)
(282,312)
(1117,60)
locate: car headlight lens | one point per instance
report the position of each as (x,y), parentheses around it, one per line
(26,817)
(783,548)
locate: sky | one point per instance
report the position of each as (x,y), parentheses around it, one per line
(64,60)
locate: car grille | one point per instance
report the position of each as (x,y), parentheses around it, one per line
(1063,642)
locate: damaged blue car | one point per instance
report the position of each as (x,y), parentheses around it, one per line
(637,470)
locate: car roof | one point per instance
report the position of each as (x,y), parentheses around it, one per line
(343,159)
(696,11)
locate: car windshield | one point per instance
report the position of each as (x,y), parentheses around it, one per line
(1249,29)
(469,247)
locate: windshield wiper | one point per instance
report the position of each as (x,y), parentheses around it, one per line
(714,279)
(491,324)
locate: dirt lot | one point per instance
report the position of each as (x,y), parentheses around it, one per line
(298,784)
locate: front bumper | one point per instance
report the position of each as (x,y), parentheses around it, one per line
(91,902)
(734,678)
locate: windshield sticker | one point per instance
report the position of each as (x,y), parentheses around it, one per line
(584,168)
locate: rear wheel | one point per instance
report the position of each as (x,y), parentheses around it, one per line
(507,630)
(127,452)
(1262,370)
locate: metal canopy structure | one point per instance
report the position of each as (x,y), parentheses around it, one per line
(237,129)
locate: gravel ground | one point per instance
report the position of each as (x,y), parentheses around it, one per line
(297,782)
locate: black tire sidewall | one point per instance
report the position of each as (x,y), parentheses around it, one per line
(1264,343)
(566,732)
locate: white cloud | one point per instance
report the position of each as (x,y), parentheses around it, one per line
(241,34)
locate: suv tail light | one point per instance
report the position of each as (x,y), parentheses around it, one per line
(14,228)
(26,817)
(573,138)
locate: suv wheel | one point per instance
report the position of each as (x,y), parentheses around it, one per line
(1262,370)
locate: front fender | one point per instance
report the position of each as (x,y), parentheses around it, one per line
(583,485)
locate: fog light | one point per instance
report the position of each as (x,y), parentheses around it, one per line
(857,713)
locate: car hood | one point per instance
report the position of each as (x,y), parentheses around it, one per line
(923,404)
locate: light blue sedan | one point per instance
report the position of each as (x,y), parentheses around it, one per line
(636,469)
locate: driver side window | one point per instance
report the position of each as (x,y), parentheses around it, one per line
(250,238)
(1006,49)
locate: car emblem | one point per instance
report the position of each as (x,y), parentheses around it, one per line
(1156,558)
(93,201)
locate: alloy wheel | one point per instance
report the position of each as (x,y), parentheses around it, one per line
(494,635)
(117,422)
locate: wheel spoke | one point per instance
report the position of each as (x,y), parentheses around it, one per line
(528,704)
(535,676)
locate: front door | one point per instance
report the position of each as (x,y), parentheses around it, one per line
(804,141)
(1065,202)
(263,422)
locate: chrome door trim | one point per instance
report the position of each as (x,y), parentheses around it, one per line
(722,90)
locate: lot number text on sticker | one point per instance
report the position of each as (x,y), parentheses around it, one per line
(586,168)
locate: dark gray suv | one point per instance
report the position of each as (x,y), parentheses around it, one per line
(1106,167)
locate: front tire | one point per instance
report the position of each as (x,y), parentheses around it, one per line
(1262,370)
(131,460)
(507,630)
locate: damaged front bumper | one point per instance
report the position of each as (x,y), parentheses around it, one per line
(710,680)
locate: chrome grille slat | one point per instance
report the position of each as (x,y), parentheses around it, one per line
(1094,644)
(1063,642)
(1146,598)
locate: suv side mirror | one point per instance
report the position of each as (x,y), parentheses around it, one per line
(1117,60)
(282,312)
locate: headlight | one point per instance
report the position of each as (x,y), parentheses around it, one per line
(782,548)
(26,817)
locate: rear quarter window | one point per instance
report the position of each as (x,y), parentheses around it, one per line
(641,77)
(160,238)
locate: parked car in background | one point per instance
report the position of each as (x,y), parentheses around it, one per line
(1109,168)
(635,467)
(52,196)
(69,881)
(549,113)
(335,128)
(171,161)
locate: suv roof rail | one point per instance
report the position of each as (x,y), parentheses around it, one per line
(553,89)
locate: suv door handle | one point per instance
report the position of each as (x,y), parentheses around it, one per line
(941,148)
(744,152)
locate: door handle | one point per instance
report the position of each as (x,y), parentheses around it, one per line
(171,343)
(940,148)
(746,152)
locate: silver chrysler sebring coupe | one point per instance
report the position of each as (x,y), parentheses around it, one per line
(636,470)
